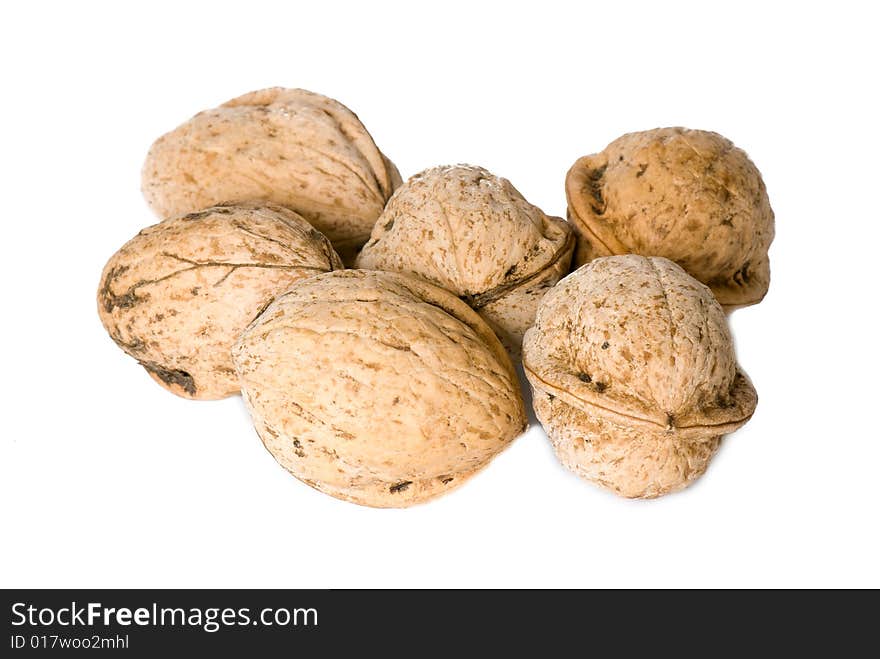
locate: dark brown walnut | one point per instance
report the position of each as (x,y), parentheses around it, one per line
(688,195)
(377,387)
(292,147)
(474,234)
(176,296)
(634,374)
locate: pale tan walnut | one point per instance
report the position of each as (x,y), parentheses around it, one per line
(688,195)
(634,374)
(474,234)
(176,296)
(292,147)
(378,388)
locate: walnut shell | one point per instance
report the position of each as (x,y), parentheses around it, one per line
(378,388)
(634,374)
(288,146)
(474,234)
(688,195)
(176,296)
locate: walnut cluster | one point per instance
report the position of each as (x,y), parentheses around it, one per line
(392,383)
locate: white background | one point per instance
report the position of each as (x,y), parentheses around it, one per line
(106,480)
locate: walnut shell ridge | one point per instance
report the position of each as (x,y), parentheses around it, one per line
(634,374)
(378,388)
(292,147)
(688,195)
(474,234)
(176,296)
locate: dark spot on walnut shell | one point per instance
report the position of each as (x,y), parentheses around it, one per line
(172,377)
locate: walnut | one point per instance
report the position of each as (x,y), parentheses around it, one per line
(474,234)
(289,146)
(176,296)
(688,195)
(377,388)
(634,374)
